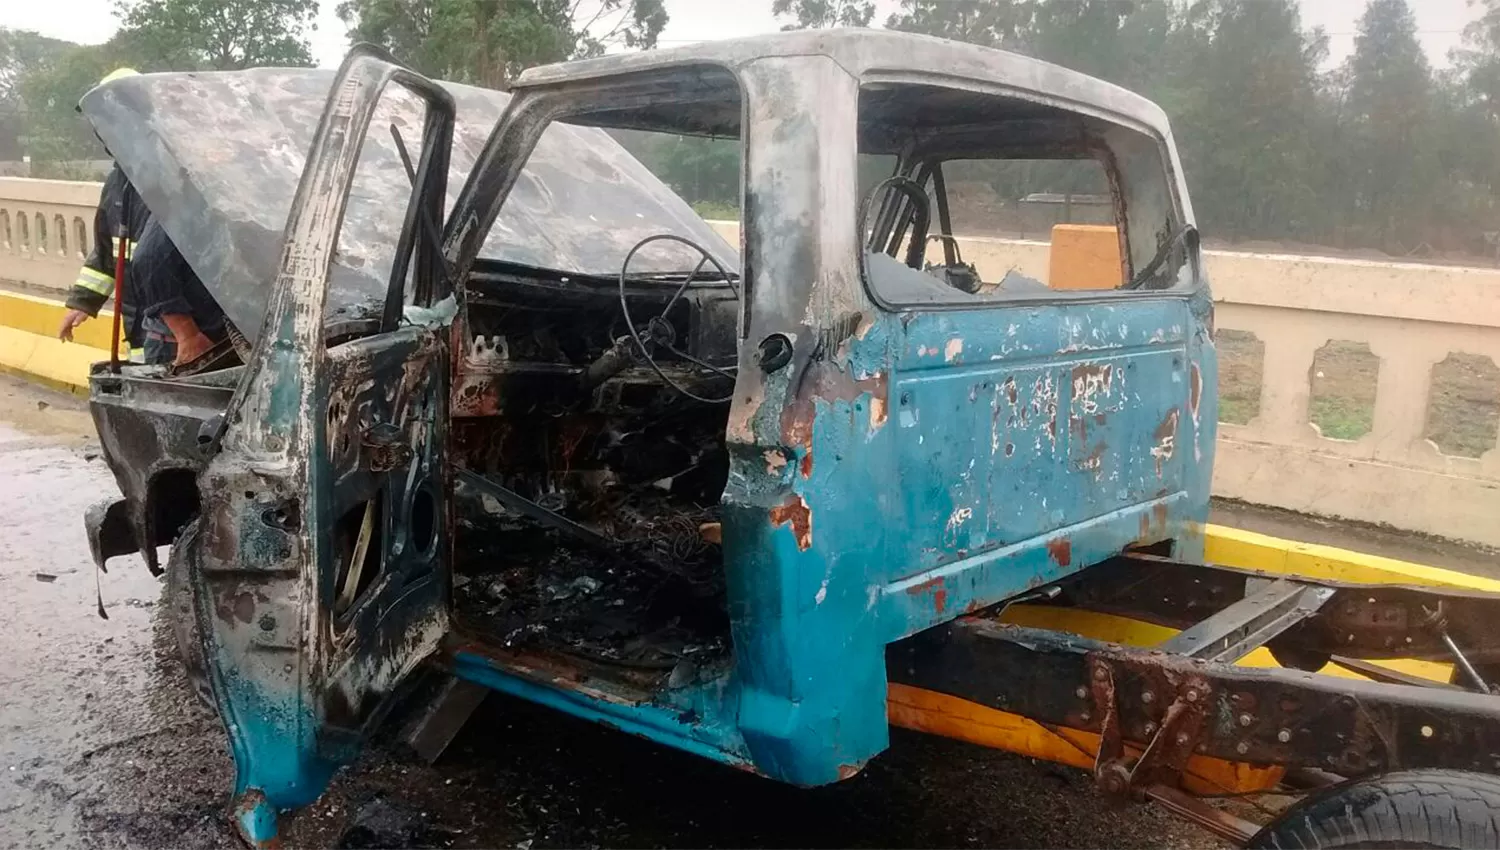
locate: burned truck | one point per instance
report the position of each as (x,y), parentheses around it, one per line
(507,408)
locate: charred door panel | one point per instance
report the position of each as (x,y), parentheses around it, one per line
(320,574)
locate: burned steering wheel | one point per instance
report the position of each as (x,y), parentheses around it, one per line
(659,330)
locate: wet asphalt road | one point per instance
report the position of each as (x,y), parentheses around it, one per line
(103,745)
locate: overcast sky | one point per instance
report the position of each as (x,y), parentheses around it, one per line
(92,21)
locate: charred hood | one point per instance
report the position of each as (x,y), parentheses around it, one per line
(217,158)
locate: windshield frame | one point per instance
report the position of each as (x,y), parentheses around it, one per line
(531,112)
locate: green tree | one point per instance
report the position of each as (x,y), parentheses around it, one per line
(21,52)
(704,171)
(991,23)
(489,42)
(1127,42)
(1478,59)
(1468,113)
(1388,118)
(218,34)
(48,91)
(821,14)
(1248,116)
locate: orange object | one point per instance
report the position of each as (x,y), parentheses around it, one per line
(940,714)
(1085,256)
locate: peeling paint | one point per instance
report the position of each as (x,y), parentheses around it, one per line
(1195,391)
(794,512)
(1089,382)
(958,518)
(953,350)
(1166,440)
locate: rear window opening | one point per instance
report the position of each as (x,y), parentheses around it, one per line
(996,198)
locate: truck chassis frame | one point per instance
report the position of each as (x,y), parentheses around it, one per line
(1164,722)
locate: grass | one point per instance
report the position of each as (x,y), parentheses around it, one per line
(1238,411)
(716,211)
(1240,376)
(1464,412)
(1342,403)
(1340,418)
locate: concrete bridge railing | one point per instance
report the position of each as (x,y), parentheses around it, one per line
(46,229)
(1349,389)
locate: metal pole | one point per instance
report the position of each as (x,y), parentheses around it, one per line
(121,241)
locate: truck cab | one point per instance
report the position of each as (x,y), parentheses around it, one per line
(511,409)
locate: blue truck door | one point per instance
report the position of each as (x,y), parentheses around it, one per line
(1060,424)
(321,575)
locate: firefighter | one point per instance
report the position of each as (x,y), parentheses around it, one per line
(182,321)
(120,208)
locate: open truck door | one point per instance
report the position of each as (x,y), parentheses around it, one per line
(320,563)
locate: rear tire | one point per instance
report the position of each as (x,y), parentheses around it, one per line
(1415,808)
(184,619)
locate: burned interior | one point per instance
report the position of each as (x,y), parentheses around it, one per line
(595,411)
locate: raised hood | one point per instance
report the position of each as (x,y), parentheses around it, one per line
(217,157)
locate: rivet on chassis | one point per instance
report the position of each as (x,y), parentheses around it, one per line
(1081,692)
(1284,736)
(1149,728)
(1182,738)
(1148,697)
(1192,695)
(1246,719)
(1085,716)
(1242,748)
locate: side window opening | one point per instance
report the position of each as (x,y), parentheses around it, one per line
(1013,200)
(1065,205)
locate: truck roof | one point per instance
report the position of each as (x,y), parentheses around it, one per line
(869,54)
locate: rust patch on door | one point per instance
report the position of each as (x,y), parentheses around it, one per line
(937,588)
(1195,391)
(826,382)
(795,513)
(1061,551)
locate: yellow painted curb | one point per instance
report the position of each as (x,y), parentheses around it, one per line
(42,316)
(59,364)
(29,346)
(1235,547)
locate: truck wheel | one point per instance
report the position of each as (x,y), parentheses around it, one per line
(1414,808)
(184,620)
